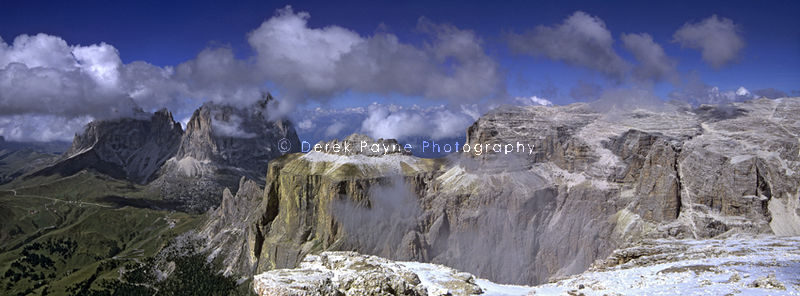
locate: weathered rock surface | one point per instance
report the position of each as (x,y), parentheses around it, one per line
(226,228)
(762,265)
(592,183)
(125,148)
(350,273)
(221,144)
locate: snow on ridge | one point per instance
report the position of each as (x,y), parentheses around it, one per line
(389,163)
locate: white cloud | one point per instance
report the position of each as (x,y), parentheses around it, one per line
(305,124)
(717,38)
(185,122)
(580,40)
(435,123)
(42,75)
(654,64)
(533,100)
(230,127)
(322,62)
(39,50)
(40,128)
(101,62)
(741,91)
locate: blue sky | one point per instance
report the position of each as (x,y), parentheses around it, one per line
(170,32)
(166,34)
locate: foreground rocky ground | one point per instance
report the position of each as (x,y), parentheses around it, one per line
(350,273)
(739,265)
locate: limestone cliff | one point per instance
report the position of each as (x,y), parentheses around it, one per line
(592,182)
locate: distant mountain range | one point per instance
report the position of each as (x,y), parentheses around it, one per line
(221,144)
(52,147)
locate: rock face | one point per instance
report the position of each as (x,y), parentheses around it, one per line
(245,139)
(591,183)
(126,148)
(225,229)
(220,145)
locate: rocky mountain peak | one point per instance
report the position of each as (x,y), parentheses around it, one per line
(223,143)
(125,148)
(243,138)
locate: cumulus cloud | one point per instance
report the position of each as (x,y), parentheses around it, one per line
(217,75)
(44,79)
(44,75)
(41,74)
(654,65)
(580,40)
(717,38)
(305,124)
(319,63)
(49,89)
(395,122)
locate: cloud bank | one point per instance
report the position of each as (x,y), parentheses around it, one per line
(319,63)
(47,84)
(396,122)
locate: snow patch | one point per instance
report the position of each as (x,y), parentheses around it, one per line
(390,163)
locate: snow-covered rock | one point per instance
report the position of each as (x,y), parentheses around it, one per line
(765,265)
